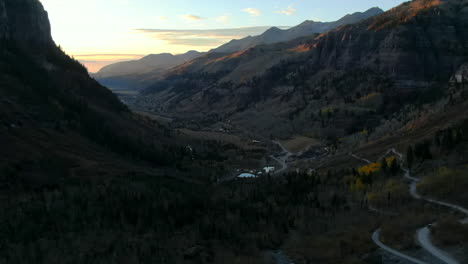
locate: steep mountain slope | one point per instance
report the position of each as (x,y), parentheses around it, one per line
(338,83)
(80,174)
(82,179)
(130,75)
(56,121)
(275,35)
(137,75)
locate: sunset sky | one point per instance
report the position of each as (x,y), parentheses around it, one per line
(100,32)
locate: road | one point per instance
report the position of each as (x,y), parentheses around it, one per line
(376,239)
(359,158)
(283,158)
(423,234)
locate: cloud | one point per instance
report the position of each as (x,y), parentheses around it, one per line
(163,18)
(252,11)
(190,17)
(109,56)
(225,19)
(287,11)
(206,38)
(94,62)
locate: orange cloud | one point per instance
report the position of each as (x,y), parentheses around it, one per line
(94,62)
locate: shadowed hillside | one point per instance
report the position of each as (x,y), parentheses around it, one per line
(378,107)
(340,82)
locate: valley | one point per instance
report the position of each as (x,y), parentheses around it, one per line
(327,142)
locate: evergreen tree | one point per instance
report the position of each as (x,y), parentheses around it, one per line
(384,165)
(394,167)
(409,157)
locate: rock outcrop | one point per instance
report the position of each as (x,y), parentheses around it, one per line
(418,41)
(26,23)
(461,75)
(4,30)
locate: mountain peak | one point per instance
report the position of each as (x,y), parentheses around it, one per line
(273,30)
(308,27)
(374,10)
(308,23)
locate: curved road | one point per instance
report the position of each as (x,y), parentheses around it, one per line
(359,158)
(282,160)
(422,234)
(376,239)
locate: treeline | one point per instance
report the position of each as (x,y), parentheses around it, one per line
(445,140)
(146,219)
(67,99)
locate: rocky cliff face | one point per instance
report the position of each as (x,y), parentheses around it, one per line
(25,22)
(378,65)
(51,110)
(3,21)
(415,42)
(461,75)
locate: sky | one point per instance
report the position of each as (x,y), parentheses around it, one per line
(101,32)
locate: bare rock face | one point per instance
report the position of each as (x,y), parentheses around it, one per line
(461,75)
(25,22)
(416,41)
(402,53)
(3,21)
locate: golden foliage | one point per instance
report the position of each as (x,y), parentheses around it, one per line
(390,160)
(371,168)
(358,185)
(369,97)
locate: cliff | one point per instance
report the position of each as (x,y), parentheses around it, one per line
(25,22)
(54,118)
(401,57)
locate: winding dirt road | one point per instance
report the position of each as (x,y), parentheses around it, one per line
(376,239)
(423,235)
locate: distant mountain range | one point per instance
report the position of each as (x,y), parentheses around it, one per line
(85,179)
(343,81)
(130,74)
(275,35)
(148,63)
(139,74)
